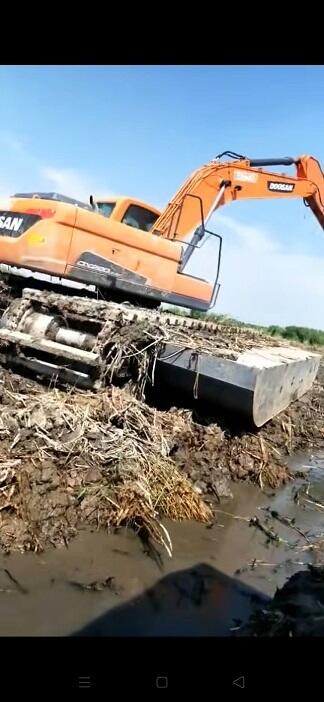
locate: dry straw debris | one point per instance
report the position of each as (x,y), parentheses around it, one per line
(72,458)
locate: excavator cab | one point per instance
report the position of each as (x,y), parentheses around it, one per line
(133,213)
(105,208)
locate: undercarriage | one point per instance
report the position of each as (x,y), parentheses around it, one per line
(87,342)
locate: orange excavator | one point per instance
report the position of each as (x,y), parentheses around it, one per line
(124,250)
(128,249)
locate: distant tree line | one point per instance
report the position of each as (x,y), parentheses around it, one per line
(313,337)
(304,335)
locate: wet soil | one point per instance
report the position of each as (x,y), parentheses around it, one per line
(72,471)
(69,460)
(114,584)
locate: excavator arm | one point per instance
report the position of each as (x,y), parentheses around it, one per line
(219,183)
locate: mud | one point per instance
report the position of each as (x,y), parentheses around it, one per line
(106,459)
(111,584)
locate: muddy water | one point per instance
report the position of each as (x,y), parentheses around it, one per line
(207,588)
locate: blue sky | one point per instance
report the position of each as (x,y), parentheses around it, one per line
(141,130)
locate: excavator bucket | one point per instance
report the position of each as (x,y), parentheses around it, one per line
(82,342)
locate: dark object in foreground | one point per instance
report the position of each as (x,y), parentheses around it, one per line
(197,601)
(297,609)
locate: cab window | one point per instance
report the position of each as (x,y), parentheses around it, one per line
(106,208)
(139,217)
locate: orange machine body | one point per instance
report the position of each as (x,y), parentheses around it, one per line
(69,241)
(128,247)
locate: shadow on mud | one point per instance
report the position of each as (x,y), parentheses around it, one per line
(198,601)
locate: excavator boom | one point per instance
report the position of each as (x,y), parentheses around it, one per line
(219,183)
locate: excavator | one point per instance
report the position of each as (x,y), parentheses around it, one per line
(126,253)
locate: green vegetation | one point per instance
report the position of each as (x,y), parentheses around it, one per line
(304,335)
